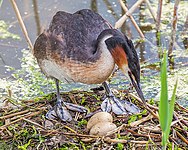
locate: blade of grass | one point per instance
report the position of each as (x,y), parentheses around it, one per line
(171,109)
(163,105)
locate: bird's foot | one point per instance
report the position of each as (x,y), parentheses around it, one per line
(75,107)
(60,110)
(111,103)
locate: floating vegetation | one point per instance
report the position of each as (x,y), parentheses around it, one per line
(4,33)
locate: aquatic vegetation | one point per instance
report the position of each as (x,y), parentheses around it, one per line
(166,110)
(4,33)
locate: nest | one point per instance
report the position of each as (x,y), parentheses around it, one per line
(25,126)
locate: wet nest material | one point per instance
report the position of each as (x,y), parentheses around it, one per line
(25,127)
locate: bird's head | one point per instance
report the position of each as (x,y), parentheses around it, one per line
(125,57)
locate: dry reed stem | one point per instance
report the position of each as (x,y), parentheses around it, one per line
(70,134)
(151,10)
(151,135)
(120,22)
(116,130)
(14,114)
(174,26)
(24,30)
(175,122)
(182,108)
(178,117)
(34,123)
(136,123)
(182,137)
(138,134)
(173,136)
(13,122)
(70,129)
(159,12)
(109,140)
(150,129)
(146,106)
(132,19)
(110,7)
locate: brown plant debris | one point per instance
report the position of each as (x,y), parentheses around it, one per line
(26,127)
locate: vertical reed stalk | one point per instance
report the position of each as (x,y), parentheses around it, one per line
(151,10)
(18,15)
(174,26)
(159,12)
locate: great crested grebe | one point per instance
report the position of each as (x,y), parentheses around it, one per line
(83,47)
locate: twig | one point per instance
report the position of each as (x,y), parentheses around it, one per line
(116,130)
(151,10)
(21,23)
(13,122)
(159,11)
(182,108)
(6,125)
(153,107)
(36,14)
(70,134)
(14,114)
(155,129)
(182,137)
(136,123)
(173,136)
(150,146)
(120,22)
(136,97)
(109,140)
(175,122)
(156,136)
(34,123)
(132,19)
(177,117)
(183,121)
(70,129)
(174,26)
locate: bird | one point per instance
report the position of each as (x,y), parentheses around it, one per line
(83,47)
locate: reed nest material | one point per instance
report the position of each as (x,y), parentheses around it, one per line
(25,125)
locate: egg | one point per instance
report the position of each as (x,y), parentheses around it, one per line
(102,128)
(99,117)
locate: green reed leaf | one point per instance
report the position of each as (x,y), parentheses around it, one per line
(163,105)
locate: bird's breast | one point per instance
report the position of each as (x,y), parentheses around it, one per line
(76,71)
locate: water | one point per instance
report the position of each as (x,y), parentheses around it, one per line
(38,14)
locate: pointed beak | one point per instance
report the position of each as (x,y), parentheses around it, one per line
(117,49)
(137,87)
